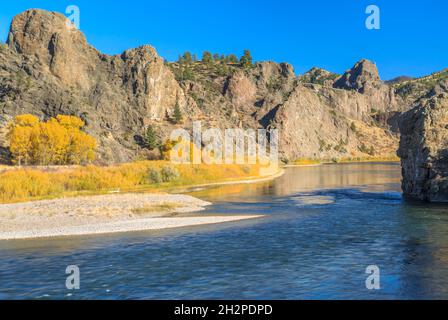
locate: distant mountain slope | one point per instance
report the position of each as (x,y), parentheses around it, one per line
(413,89)
(398,80)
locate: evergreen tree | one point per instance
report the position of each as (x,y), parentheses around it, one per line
(207,57)
(187,74)
(150,139)
(232,58)
(187,57)
(216,57)
(246,59)
(177,115)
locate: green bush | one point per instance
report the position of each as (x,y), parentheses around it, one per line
(340,147)
(169,174)
(246,169)
(154,176)
(364,149)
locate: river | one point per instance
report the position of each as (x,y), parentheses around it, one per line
(323,226)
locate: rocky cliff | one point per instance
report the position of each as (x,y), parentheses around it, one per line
(424,146)
(316,118)
(48,68)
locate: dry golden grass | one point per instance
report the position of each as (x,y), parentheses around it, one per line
(384,158)
(306,162)
(391,158)
(383,143)
(25,184)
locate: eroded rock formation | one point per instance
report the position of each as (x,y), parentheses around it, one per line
(424,147)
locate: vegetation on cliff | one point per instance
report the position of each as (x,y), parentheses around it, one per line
(413,89)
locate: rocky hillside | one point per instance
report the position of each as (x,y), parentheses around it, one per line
(413,89)
(319,76)
(48,69)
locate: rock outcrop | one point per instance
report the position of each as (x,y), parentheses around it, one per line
(50,69)
(424,148)
(319,76)
(363,77)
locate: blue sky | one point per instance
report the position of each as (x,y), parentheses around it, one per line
(413,39)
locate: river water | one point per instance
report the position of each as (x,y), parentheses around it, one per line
(323,226)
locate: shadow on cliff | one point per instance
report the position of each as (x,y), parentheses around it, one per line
(5,156)
(266,120)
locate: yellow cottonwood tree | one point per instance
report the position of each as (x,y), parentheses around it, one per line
(26,120)
(81,147)
(20,144)
(53,143)
(56,141)
(71,122)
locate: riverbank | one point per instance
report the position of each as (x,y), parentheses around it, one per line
(305,162)
(45,183)
(280,172)
(104,214)
(74,214)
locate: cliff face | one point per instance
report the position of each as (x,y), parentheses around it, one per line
(321,118)
(315,119)
(424,147)
(49,69)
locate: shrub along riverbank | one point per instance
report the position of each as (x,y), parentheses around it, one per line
(27,184)
(310,161)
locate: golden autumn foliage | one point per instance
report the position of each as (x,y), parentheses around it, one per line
(24,184)
(187,151)
(306,162)
(57,141)
(181,146)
